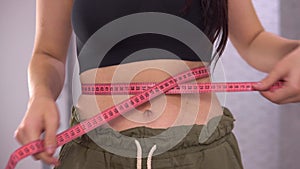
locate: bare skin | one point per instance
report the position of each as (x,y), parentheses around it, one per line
(277,56)
(262,50)
(165,109)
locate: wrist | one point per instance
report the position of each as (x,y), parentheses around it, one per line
(41,92)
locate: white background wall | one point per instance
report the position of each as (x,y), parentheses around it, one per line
(17,28)
(289,114)
(257,120)
(258,127)
(16,41)
(268,134)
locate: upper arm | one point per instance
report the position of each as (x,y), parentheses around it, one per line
(244,25)
(53,28)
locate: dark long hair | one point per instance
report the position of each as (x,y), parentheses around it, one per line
(214,16)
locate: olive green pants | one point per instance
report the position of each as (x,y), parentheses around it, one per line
(212,146)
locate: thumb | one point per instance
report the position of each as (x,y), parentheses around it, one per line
(51,126)
(275,75)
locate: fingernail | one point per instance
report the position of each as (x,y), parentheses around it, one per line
(56,163)
(258,85)
(50,149)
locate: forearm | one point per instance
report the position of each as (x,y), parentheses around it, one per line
(266,50)
(45,76)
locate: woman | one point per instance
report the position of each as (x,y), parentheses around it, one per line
(262,50)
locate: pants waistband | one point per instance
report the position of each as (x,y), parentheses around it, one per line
(169,139)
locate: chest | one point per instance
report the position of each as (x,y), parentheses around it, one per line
(90,15)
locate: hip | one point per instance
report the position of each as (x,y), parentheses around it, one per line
(189,146)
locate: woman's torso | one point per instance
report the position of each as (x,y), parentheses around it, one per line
(166,110)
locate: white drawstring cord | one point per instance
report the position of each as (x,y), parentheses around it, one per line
(149,159)
(139,155)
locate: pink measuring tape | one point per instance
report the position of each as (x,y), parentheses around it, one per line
(143,92)
(136,88)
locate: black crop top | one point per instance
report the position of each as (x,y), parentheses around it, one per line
(90,15)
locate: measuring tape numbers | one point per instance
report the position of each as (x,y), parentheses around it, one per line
(186,88)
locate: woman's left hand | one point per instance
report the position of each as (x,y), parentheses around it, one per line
(287,70)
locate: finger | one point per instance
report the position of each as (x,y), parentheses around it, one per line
(46,158)
(50,140)
(51,126)
(275,75)
(24,134)
(280,96)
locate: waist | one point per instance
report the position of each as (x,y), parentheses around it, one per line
(163,111)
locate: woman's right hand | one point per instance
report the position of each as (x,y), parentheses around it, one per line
(46,75)
(42,116)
